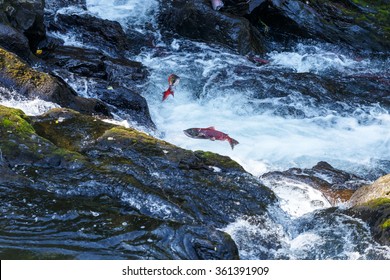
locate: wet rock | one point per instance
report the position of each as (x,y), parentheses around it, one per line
(305,94)
(380,189)
(146,177)
(114,81)
(26,17)
(361,25)
(337,185)
(371,203)
(197,20)
(241,7)
(14,41)
(31,84)
(105,35)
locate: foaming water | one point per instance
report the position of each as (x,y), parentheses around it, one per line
(314,236)
(315,59)
(136,13)
(33,107)
(214,91)
(267,141)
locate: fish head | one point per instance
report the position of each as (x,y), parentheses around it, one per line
(173,80)
(191,132)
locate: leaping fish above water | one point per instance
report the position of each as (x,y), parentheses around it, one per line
(210,133)
(173,80)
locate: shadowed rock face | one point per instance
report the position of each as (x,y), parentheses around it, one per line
(197,20)
(361,25)
(26,17)
(14,41)
(177,194)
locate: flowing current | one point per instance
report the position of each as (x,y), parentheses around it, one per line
(219,88)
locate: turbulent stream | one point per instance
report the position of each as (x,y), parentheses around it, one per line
(280,122)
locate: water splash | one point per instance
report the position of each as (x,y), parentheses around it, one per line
(32,107)
(138,14)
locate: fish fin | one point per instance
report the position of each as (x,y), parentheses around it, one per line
(232,142)
(212,138)
(211,127)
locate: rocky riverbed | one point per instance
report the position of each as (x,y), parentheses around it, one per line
(76,185)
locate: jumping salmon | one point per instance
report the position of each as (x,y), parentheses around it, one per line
(211,134)
(173,80)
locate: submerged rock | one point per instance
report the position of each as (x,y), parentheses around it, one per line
(337,185)
(75,156)
(197,20)
(31,84)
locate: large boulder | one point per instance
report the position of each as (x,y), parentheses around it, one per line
(145,198)
(372,204)
(106,35)
(25,16)
(361,25)
(197,20)
(30,84)
(14,41)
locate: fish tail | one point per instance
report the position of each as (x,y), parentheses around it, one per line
(232,142)
(167,93)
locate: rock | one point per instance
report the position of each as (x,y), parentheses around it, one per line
(31,84)
(371,203)
(177,193)
(105,35)
(113,81)
(26,17)
(380,189)
(361,25)
(304,94)
(197,20)
(241,7)
(14,41)
(337,185)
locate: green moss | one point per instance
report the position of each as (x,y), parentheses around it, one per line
(68,129)
(14,121)
(218,160)
(377,202)
(14,68)
(386,224)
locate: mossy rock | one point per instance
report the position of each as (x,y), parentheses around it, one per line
(377,215)
(378,191)
(29,83)
(69,129)
(20,143)
(14,70)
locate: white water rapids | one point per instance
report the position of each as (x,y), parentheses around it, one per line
(267,142)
